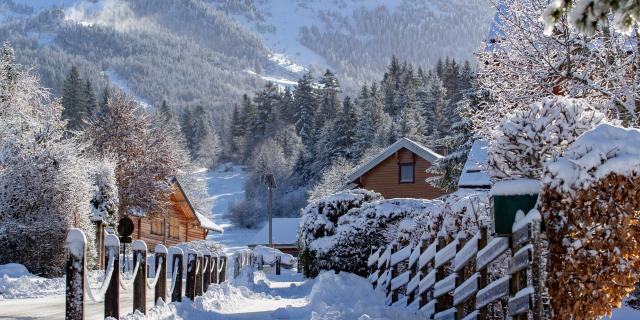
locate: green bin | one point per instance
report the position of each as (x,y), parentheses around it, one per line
(504,208)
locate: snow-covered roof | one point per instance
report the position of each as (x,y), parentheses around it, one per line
(474,174)
(422,151)
(285,231)
(206,223)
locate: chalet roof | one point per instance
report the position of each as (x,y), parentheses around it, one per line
(422,151)
(285,231)
(474,174)
(203,221)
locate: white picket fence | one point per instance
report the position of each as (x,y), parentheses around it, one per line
(449,279)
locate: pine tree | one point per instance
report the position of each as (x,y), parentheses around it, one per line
(391,86)
(306,104)
(267,104)
(90,100)
(438,108)
(287,109)
(330,104)
(73,99)
(345,131)
(372,121)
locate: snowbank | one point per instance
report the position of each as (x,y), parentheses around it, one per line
(16,282)
(269,254)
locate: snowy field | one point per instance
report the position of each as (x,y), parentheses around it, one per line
(226,187)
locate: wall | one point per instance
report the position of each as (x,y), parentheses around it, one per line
(384,178)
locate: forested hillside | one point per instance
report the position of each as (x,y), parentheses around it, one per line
(310,137)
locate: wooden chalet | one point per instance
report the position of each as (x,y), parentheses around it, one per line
(179,223)
(399,171)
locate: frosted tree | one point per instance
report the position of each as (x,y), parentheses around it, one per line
(104,203)
(529,138)
(333,179)
(45,186)
(521,65)
(209,149)
(590,15)
(144,149)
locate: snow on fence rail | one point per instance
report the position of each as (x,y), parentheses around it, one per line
(203,268)
(449,278)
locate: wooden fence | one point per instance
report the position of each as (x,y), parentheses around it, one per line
(450,279)
(203,269)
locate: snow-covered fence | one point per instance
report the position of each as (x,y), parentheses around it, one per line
(449,278)
(203,269)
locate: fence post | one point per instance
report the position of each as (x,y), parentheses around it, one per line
(140,281)
(160,291)
(223,271)
(278,265)
(177,256)
(424,270)
(192,264)
(199,274)
(112,295)
(461,276)
(214,276)
(394,270)
(413,272)
(76,244)
(206,281)
(484,274)
(236,266)
(442,302)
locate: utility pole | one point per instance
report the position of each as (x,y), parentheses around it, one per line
(271,184)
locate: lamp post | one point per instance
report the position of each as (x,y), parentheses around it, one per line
(271,184)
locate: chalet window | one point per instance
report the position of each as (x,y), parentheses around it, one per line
(407,171)
(157,227)
(174,228)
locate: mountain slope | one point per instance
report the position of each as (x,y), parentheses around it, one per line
(208,52)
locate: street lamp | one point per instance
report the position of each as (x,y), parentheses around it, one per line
(271,184)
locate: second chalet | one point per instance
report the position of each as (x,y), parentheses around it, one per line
(399,171)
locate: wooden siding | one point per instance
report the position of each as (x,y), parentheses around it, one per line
(385,178)
(178,209)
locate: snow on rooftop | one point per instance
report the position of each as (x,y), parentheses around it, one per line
(285,231)
(474,174)
(207,223)
(597,153)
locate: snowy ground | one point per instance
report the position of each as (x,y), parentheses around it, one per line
(263,295)
(226,187)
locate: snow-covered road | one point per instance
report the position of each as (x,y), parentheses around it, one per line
(264,295)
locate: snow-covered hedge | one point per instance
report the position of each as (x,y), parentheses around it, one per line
(320,217)
(459,214)
(346,244)
(362,229)
(590,203)
(524,142)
